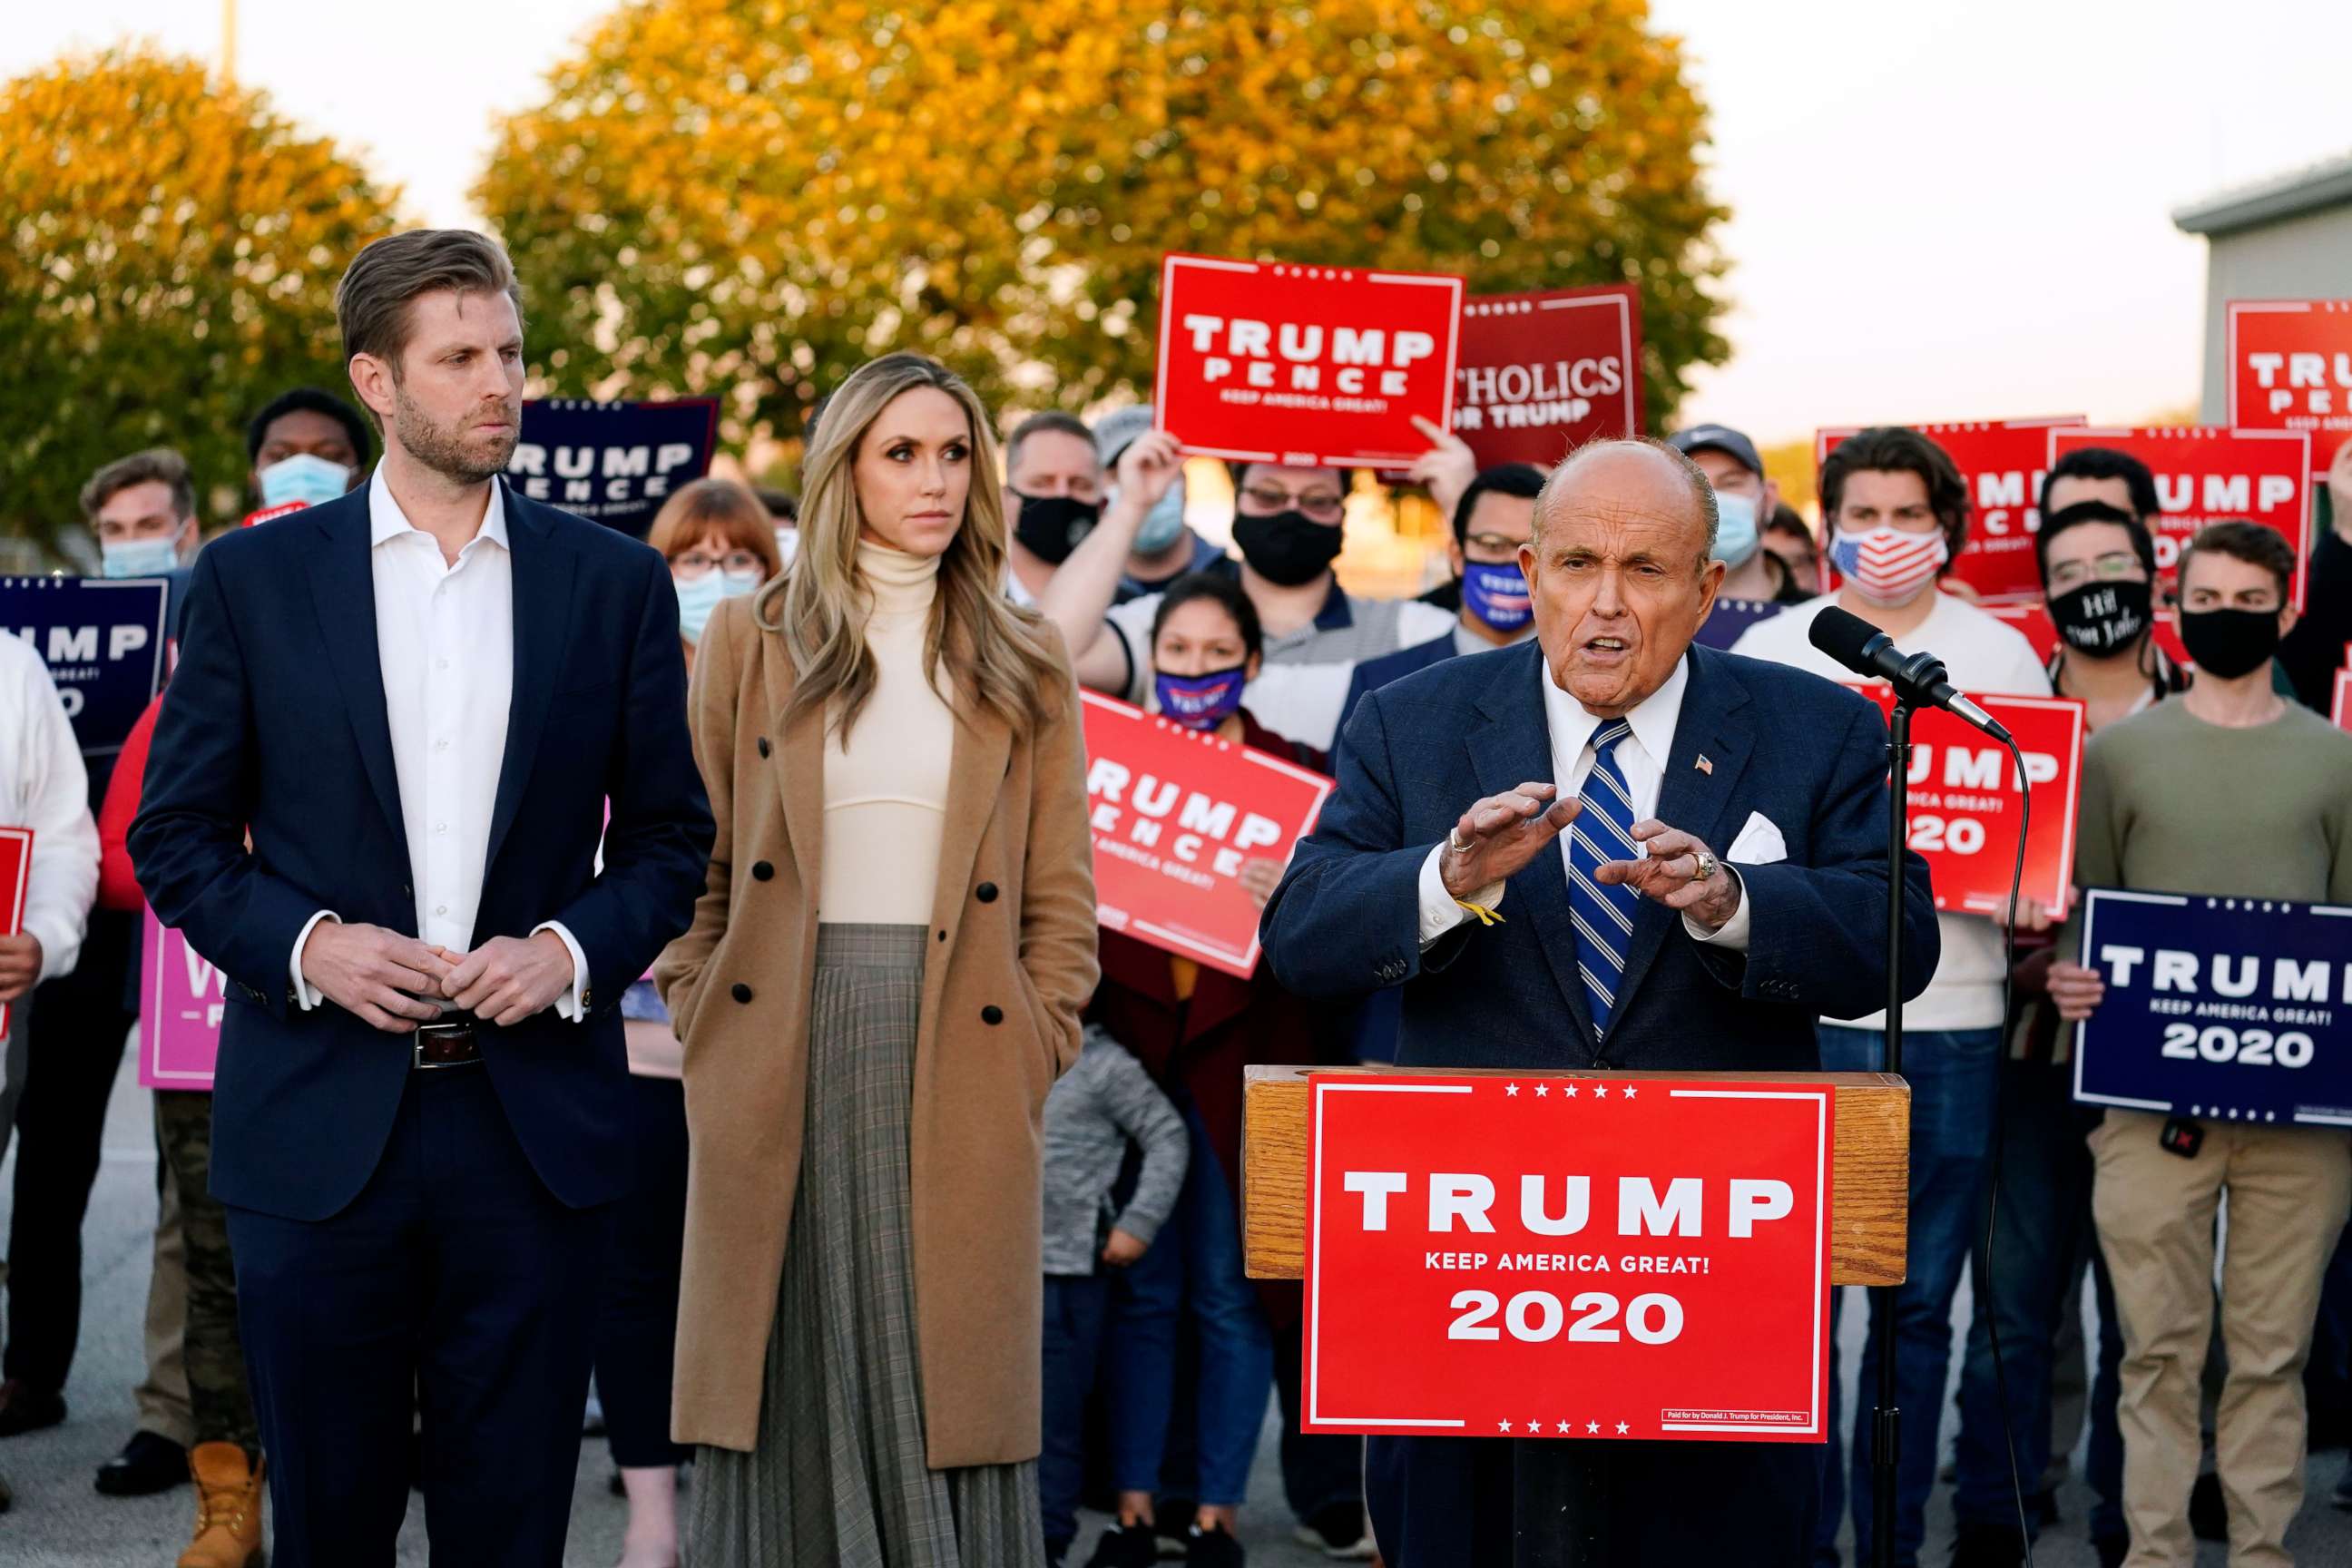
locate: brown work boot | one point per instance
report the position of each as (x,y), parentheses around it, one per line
(228,1508)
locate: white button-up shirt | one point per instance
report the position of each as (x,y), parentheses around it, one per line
(445,635)
(1641,757)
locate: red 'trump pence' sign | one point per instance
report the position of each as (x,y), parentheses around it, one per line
(1963,796)
(15,878)
(1605,1258)
(2001,461)
(2207,473)
(1314,366)
(1176,816)
(1542,374)
(2291,369)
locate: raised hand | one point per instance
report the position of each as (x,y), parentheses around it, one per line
(1679,872)
(1500,834)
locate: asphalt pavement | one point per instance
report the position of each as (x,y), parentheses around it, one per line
(59,1520)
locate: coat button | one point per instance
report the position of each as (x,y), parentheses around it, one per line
(764,747)
(761,870)
(991,1014)
(740,991)
(986,892)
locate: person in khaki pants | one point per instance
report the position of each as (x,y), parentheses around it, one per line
(2228,790)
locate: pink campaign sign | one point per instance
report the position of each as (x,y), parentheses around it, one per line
(180,1000)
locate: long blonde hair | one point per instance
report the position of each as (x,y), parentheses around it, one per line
(820,606)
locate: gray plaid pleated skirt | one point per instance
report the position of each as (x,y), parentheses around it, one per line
(838,1477)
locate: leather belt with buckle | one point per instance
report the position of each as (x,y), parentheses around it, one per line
(448,1044)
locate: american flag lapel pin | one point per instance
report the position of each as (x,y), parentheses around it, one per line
(1704,765)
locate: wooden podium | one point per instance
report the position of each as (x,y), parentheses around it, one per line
(1870,1196)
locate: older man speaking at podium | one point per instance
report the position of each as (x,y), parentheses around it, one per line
(1606,848)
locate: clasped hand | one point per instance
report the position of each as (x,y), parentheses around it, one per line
(396,983)
(1498,835)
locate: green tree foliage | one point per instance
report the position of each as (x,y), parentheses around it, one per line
(169,249)
(749,197)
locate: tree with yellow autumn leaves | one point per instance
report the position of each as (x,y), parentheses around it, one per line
(169,249)
(748,197)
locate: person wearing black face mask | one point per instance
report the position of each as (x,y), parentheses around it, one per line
(2231,790)
(1288,524)
(1053,497)
(2098,574)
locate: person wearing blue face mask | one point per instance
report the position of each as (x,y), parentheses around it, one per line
(142,507)
(1494,516)
(306,446)
(720,544)
(1165,547)
(1756,581)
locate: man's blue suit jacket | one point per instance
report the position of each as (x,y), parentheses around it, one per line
(1805,753)
(274,723)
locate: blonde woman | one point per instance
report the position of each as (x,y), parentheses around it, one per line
(882,980)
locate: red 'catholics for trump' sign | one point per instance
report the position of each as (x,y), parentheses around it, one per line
(1540,374)
(1607,1258)
(1313,367)
(1176,814)
(2001,461)
(1964,808)
(2291,369)
(2207,473)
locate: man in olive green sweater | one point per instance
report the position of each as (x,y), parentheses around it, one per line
(2228,789)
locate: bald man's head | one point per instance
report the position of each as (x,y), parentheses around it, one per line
(1620,570)
(1624,462)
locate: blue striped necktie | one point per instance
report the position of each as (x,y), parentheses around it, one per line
(1603,830)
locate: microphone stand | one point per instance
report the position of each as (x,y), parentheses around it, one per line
(1886,1434)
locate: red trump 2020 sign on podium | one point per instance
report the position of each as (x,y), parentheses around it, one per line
(1600,1258)
(1266,362)
(1176,816)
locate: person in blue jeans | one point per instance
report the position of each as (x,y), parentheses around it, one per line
(1895,516)
(1095,1112)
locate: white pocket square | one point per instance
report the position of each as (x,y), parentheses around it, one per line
(1759,843)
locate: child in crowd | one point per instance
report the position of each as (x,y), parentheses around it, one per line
(1098,1106)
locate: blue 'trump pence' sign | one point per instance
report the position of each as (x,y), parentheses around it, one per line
(613,463)
(2227,1009)
(103,642)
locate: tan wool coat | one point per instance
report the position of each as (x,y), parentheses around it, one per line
(1009,964)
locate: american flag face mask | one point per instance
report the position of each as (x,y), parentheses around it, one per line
(1889,564)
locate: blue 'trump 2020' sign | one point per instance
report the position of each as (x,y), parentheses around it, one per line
(103,642)
(2227,1009)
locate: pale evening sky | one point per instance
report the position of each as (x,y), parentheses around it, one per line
(1940,211)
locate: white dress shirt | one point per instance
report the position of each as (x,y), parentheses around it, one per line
(1641,757)
(43,786)
(445,635)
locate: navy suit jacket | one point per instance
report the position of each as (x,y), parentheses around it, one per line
(1807,753)
(1390,668)
(274,723)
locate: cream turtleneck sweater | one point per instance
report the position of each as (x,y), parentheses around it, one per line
(885,794)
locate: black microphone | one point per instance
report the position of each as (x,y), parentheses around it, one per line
(1918,679)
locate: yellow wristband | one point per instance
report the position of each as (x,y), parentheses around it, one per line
(1486,917)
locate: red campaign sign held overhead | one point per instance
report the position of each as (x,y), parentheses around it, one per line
(1176,814)
(1604,1259)
(2001,461)
(2343,706)
(1313,367)
(1964,808)
(2205,473)
(2033,621)
(2291,369)
(1542,374)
